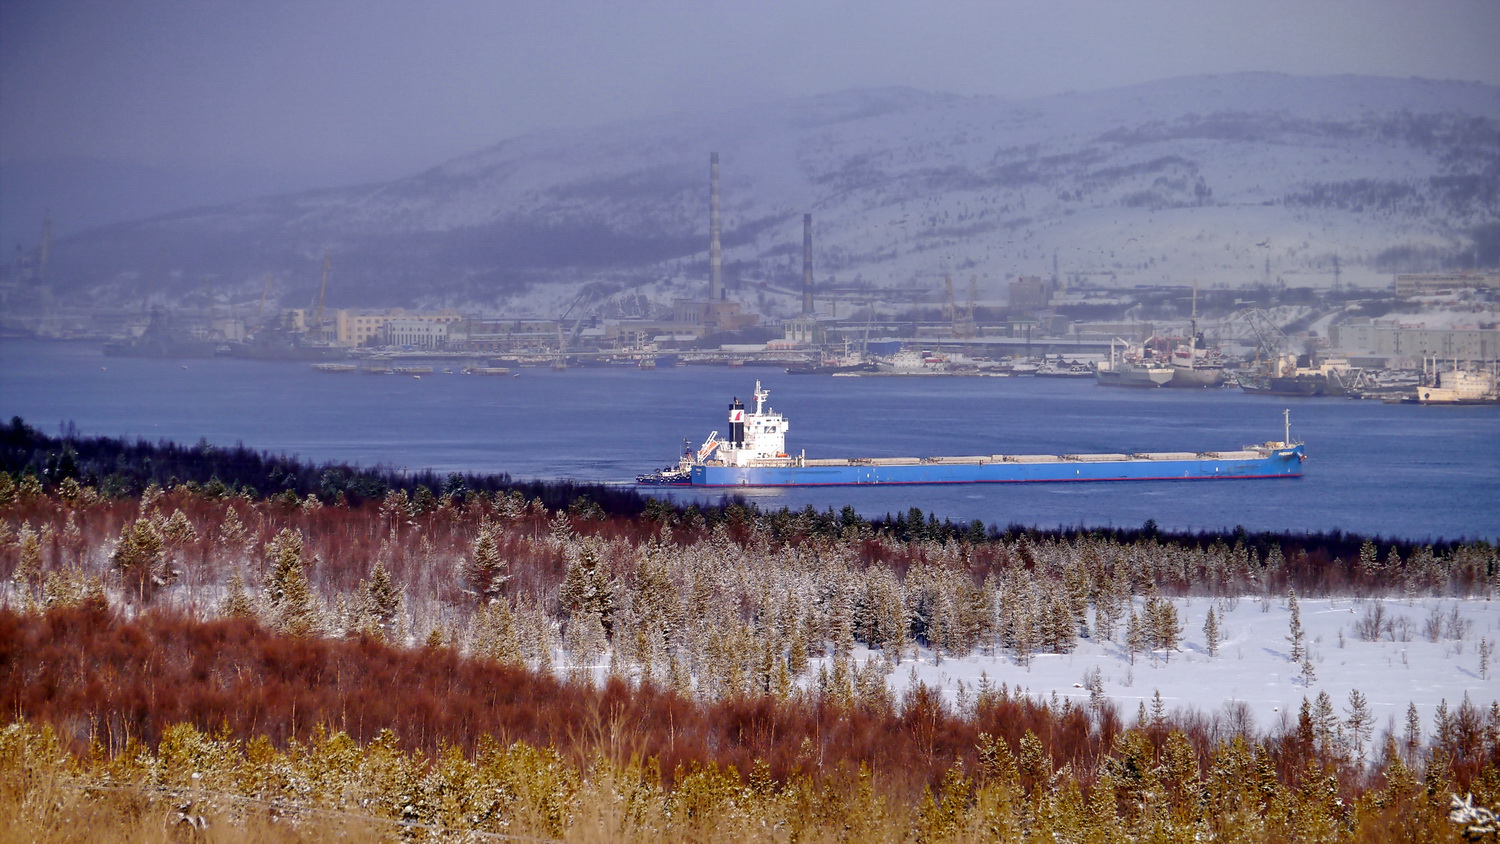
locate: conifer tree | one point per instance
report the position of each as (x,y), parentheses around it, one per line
(73,538)
(1369,564)
(1412,740)
(237,603)
(1325,723)
(1275,565)
(1307,732)
(561,527)
(27,575)
(177,531)
(1034,764)
(1106,614)
(140,557)
(585,642)
(288,593)
(1211,633)
(976,614)
(395,508)
(483,569)
(656,601)
(1294,634)
(585,587)
(797,651)
(1361,721)
(1443,726)
(233,538)
(382,600)
(1164,626)
(1135,635)
(495,635)
(1061,622)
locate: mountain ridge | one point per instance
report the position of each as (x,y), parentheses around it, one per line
(1224,178)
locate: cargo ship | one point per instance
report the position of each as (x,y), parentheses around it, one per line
(754,455)
(1134,368)
(1300,377)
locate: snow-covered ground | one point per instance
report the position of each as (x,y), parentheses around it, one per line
(1253,665)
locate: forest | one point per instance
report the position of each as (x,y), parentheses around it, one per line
(272,657)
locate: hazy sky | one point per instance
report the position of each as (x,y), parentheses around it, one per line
(329,92)
(381,88)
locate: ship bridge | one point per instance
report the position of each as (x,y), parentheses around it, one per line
(754,436)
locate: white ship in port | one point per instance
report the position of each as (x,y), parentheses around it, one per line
(1133,366)
(1193,364)
(1462,386)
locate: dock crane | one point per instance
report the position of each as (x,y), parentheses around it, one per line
(965,327)
(963,321)
(950,309)
(585,298)
(1270,341)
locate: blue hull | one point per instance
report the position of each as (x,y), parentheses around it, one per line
(1280,463)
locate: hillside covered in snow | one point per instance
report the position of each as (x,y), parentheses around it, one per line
(1226,180)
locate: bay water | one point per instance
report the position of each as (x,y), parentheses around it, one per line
(1390,470)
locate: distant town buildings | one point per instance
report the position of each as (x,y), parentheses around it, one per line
(1031,293)
(1393,338)
(1429,284)
(720,315)
(352,328)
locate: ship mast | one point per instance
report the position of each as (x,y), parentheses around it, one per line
(1193,330)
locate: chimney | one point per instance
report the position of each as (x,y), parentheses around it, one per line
(807,278)
(715,262)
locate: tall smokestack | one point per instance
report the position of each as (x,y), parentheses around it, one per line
(715,262)
(807,279)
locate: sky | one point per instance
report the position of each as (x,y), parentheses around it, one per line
(190,101)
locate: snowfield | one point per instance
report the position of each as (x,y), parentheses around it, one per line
(1252,665)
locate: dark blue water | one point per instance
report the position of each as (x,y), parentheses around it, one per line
(1394,470)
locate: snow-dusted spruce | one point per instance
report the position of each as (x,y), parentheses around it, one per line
(732,602)
(907,622)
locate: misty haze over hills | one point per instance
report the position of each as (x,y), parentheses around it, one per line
(1220,179)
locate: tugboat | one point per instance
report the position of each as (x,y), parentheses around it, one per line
(679,474)
(849,364)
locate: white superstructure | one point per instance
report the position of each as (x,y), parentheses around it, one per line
(1462,386)
(753,437)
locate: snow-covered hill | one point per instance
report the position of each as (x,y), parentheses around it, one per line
(1424,652)
(1226,180)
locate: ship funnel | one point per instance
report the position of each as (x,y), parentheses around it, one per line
(737,423)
